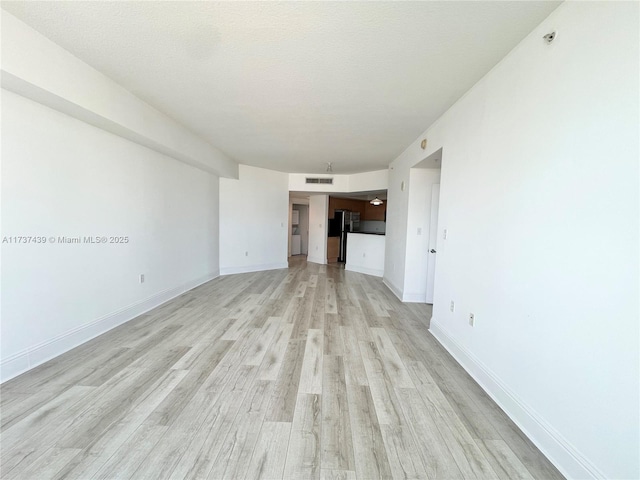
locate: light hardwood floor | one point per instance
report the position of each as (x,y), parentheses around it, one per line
(310,372)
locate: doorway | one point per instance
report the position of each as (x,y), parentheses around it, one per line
(423,248)
(299,229)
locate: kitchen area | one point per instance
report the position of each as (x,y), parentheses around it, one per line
(356,231)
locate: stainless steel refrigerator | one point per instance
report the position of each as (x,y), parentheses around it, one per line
(343,222)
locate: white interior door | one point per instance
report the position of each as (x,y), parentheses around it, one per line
(433,241)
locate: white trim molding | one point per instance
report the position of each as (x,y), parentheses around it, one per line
(316,260)
(553,445)
(395,290)
(253,268)
(38,354)
(367,271)
(413,297)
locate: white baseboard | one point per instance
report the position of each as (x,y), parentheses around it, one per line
(319,260)
(253,268)
(367,271)
(414,297)
(27,359)
(395,290)
(404,297)
(570,462)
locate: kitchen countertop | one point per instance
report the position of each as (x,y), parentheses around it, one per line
(365,253)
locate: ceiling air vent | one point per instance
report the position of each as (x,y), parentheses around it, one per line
(325,181)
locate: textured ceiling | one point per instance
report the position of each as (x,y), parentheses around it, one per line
(293,85)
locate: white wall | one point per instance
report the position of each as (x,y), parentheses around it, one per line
(357,182)
(254,221)
(539,194)
(318,224)
(365,253)
(36,68)
(418,217)
(396,230)
(297,183)
(363,182)
(63,177)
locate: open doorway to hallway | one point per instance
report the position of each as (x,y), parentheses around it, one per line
(299,229)
(298,225)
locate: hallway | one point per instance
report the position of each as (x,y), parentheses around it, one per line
(310,372)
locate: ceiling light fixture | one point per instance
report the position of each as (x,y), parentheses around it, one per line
(376,202)
(329,167)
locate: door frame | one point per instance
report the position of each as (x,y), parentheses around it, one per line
(433,242)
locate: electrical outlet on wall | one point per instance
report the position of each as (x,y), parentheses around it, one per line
(452,307)
(246,254)
(142,278)
(472,319)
